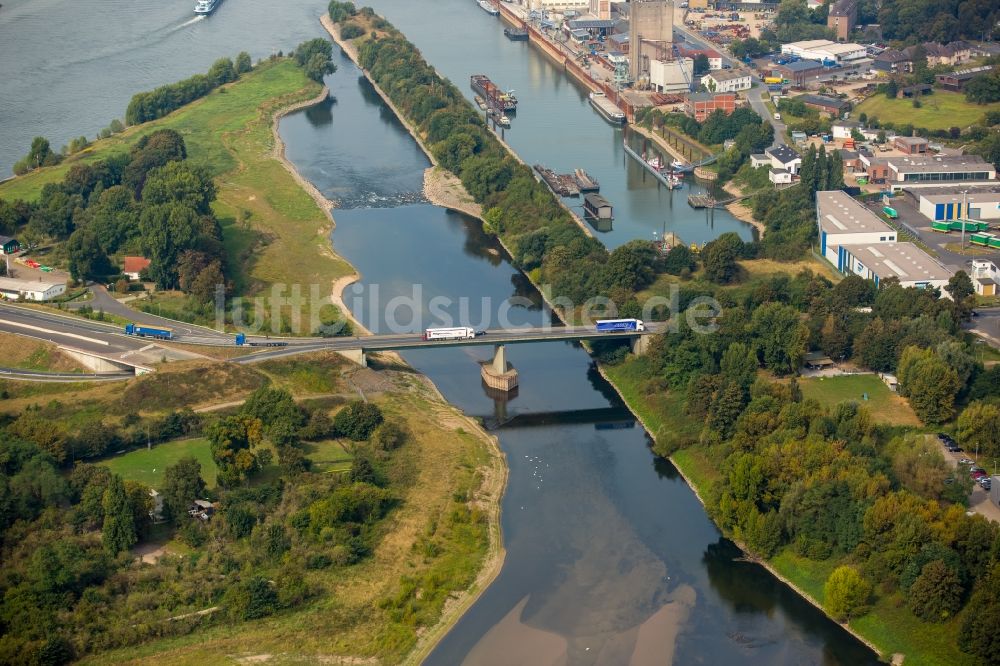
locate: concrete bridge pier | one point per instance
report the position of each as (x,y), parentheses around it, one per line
(640,344)
(499,374)
(355,356)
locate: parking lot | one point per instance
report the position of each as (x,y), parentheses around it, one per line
(979,500)
(913,221)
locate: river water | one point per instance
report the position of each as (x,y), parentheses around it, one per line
(610,557)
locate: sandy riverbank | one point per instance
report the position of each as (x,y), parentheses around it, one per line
(443,188)
(740,210)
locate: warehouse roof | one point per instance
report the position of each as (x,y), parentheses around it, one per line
(820,100)
(839,213)
(937,163)
(801,66)
(905,261)
(15,284)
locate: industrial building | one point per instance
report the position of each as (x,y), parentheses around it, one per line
(831,106)
(844,221)
(727,80)
(668,76)
(910,145)
(825,51)
(30,290)
(904,261)
(701,105)
(799,71)
(9,245)
(651,34)
(955,81)
(911,170)
(950,203)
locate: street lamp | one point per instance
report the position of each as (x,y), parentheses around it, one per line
(965,211)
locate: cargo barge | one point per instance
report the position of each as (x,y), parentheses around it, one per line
(489,7)
(564,186)
(516,34)
(608,110)
(494,96)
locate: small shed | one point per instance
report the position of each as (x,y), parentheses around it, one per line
(890,381)
(816,360)
(9,245)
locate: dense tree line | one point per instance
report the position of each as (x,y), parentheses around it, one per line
(146,106)
(69,586)
(913,21)
(830,483)
(148,201)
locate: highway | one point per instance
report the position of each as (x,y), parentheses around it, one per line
(107,340)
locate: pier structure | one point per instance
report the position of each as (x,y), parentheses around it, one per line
(499,374)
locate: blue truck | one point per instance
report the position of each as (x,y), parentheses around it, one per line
(613,325)
(159,332)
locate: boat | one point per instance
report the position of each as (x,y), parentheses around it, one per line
(562,185)
(205,7)
(585,181)
(674,181)
(676,164)
(494,96)
(608,109)
(516,34)
(654,162)
(481,102)
(504,120)
(489,7)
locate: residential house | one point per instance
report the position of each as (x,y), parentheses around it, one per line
(842,18)
(727,80)
(759,160)
(779,176)
(985,277)
(844,129)
(892,61)
(784,157)
(132,267)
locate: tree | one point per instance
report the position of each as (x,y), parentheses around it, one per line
(979,428)
(892,89)
(780,337)
(936,595)
(251,599)
(182,484)
(182,183)
(232,440)
(87,259)
(719,258)
(701,64)
(679,260)
(315,56)
(928,383)
(739,365)
(243,63)
(960,286)
(630,266)
(119,523)
(846,594)
(166,230)
(357,420)
(979,635)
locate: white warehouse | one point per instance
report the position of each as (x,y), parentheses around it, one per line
(30,290)
(824,49)
(844,221)
(905,261)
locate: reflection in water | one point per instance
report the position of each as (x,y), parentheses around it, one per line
(321,114)
(605,544)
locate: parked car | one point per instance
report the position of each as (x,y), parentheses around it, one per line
(978,475)
(945,437)
(966,461)
(986,483)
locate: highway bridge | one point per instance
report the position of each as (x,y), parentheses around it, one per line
(109,343)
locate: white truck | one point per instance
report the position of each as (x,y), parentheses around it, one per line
(459,333)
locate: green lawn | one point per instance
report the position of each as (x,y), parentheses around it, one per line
(941,110)
(274,232)
(328,455)
(884,405)
(147,466)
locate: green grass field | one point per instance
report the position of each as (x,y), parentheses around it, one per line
(941,110)
(273,230)
(884,405)
(328,456)
(147,466)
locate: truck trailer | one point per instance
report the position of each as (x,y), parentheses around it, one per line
(159,332)
(613,325)
(458,333)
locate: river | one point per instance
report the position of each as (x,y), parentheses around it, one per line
(610,556)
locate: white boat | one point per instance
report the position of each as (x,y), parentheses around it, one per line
(205,7)
(654,162)
(504,120)
(678,164)
(489,7)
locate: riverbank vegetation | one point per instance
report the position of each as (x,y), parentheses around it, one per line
(268,231)
(290,558)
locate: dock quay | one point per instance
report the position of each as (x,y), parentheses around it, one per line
(701,201)
(562,184)
(659,175)
(586,182)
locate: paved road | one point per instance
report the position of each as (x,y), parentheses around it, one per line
(67,330)
(987,325)
(753,95)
